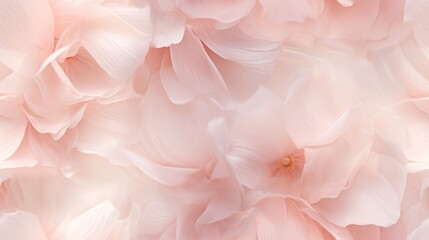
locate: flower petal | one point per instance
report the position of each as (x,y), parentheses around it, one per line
(374,197)
(115,45)
(21,34)
(314,116)
(12,126)
(20,226)
(225,11)
(96,223)
(169,176)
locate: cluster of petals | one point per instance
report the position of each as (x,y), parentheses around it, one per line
(214,119)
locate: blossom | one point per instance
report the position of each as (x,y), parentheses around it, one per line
(226,119)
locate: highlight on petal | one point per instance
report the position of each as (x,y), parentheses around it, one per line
(170,176)
(22,37)
(317,115)
(118,49)
(96,223)
(21,226)
(415,12)
(222,10)
(105,128)
(346,3)
(13,124)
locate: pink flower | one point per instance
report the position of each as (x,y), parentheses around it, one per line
(327,158)
(214,119)
(205,61)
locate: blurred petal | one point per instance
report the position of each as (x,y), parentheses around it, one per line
(20,226)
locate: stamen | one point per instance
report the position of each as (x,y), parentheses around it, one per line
(290,166)
(287,163)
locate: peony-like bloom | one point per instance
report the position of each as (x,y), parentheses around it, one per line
(211,59)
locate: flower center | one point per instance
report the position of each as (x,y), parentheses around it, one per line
(287,163)
(69,59)
(290,166)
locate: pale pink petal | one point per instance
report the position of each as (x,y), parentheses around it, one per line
(51,106)
(421,232)
(226,203)
(342,158)
(96,223)
(258,139)
(290,10)
(21,34)
(280,218)
(156,218)
(411,76)
(353,22)
(232,44)
(107,127)
(20,226)
(177,92)
(415,12)
(222,10)
(12,126)
(115,45)
(88,77)
(415,123)
(138,17)
(318,108)
(374,197)
(176,135)
(194,68)
(170,176)
(169,26)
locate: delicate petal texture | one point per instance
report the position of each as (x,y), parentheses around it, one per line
(23,39)
(96,223)
(202,75)
(12,127)
(119,56)
(290,10)
(415,12)
(169,28)
(20,225)
(373,197)
(222,10)
(317,118)
(214,119)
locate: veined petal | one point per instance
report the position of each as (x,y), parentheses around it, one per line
(19,31)
(96,223)
(170,176)
(374,197)
(12,127)
(115,45)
